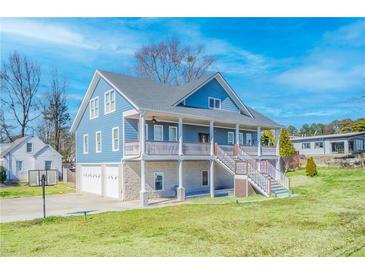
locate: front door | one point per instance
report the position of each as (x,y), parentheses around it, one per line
(203,137)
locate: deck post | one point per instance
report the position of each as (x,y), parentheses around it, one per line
(211,137)
(180,189)
(259,150)
(144,193)
(211,178)
(237,137)
(180,136)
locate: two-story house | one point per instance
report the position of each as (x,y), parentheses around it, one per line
(139,139)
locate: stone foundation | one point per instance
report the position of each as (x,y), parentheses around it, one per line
(350,161)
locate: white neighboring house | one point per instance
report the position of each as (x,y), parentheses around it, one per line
(334,144)
(28,153)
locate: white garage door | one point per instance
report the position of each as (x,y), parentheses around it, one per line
(91,179)
(111,182)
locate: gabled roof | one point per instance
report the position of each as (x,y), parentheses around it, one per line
(339,135)
(13,145)
(44,148)
(149,95)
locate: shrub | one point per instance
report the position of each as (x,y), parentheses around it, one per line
(311,167)
(2,174)
(286,148)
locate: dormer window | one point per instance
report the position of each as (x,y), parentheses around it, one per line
(29,147)
(214,103)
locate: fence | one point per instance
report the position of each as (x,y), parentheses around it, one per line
(34,177)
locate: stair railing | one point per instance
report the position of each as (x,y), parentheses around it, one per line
(266,168)
(225,158)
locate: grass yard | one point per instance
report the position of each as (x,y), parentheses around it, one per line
(25,191)
(324,218)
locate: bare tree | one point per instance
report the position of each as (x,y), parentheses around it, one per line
(6,134)
(55,114)
(170,63)
(20,80)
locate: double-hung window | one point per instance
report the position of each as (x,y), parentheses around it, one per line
(205,180)
(240,137)
(214,103)
(29,147)
(306,145)
(172,134)
(318,145)
(115,138)
(98,142)
(158,132)
(158,179)
(230,138)
(249,139)
(86,143)
(19,165)
(109,101)
(47,165)
(94,108)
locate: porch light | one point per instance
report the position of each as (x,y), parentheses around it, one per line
(154,120)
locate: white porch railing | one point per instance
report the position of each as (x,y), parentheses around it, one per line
(196,148)
(268,150)
(162,148)
(250,150)
(229,149)
(132,148)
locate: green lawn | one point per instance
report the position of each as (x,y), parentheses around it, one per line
(325,217)
(25,191)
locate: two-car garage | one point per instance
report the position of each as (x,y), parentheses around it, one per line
(100,180)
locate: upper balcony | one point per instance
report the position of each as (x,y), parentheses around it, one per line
(132,148)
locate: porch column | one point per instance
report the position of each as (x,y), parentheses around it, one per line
(211,178)
(346,145)
(144,193)
(180,189)
(259,141)
(277,136)
(211,137)
(237,141)
(180,136)
(278,160)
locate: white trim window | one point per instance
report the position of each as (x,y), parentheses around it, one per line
(47,165)
(98,140)
(158,179)
(94,107)
(214,103)
(109,101)
(230,137)
(318,145)
(172,134)
(146,131)
(306,145)
(158,132)
(240,138)
(85,139)
(115,138)
(29,147)
(205,178)
(249,139)
(19,166)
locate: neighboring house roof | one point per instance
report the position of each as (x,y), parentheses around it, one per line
(149,95)
(340,135)
(13,145)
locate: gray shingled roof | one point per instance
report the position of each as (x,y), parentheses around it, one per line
(13,145)
(152,96)
(339,135)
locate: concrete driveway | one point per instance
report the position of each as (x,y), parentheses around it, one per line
(28,208)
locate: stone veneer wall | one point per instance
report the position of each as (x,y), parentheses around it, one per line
(191,177)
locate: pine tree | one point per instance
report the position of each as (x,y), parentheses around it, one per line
(311,167)
(267,138)
(286,149)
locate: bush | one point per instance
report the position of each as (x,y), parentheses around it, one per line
(311,167)
(2,174)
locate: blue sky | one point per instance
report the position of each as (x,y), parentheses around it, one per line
(294,70)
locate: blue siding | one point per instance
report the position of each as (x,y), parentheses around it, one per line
(199,99)
(190,132)
(103,123)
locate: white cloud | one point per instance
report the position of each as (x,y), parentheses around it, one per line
(350,35)
(320,77)
(46,32)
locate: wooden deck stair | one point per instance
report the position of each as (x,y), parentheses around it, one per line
(261,174)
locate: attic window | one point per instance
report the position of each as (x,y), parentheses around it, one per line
(29,147)
(214,103)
